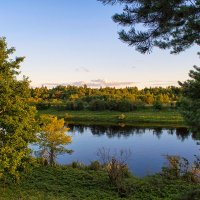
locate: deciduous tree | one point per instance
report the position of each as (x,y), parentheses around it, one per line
(53,137)
(17,118)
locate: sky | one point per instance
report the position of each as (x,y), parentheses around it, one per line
(76,42)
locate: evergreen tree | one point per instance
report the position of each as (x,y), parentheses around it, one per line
(173,24)
(17,118)
(190,104)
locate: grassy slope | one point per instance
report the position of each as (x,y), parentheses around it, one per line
(68,183)
(141,116)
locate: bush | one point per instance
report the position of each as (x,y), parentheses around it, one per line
(116,168)
(179,167)
(78,165)
(59,107)
(97,105)
(68,117)
(112,104)
(69,105)
(43,106)
(121,117)
(95,165)
(42,161)
(125,106)
(139,104)
(157,105)
(191,195)
(79,105)
(117,171)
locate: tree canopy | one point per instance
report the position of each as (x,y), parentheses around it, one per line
(53,138)
(118,99)
(167,24)
(17,117)
(190,104)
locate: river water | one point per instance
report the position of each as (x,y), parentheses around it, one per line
(147,147)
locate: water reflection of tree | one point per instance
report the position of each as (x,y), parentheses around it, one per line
(127,131)
(77,128)
(158,131)
(182,133)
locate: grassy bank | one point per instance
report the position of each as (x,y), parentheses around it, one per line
(69,183)
(170,117)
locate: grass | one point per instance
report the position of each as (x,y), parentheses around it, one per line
(67,183)
(167,116)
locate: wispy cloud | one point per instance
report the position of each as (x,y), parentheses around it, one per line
(96,83)
(82,69)
(156,83)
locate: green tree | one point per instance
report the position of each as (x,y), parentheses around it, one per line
(173,24)
(97,104)
(53,137)
(190,104)
(17,118)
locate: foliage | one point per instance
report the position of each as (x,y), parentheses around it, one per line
(123,99)
(191,195)
(97,104)
(190,104)
(52,137)
(17,117)
(78,165)
(65,182)
(116,168)
(157,105)
(121,117)
(179,167)
(165,24)
(95,165)
(42,106)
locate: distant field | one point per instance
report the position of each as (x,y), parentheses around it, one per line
(166,116)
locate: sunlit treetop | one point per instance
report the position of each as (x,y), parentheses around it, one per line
(167,24)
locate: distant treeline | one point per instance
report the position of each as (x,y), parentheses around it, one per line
(123,99)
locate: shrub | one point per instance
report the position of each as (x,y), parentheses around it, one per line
(157,105)
(139,104)
(112,104)
(125,105)
(97,105)
(95,165)
(59,107)
(78,165)
(79,105)
(191,195)
(116,168)
(68,117)
(117,171)
(43,106)
(42,161)
(121,117)
(179,167)
(69,105)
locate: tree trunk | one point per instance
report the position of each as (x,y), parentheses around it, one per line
(52,156)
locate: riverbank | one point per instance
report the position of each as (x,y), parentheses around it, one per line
(146,116)
(59,183)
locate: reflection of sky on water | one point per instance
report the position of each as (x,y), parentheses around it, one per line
(147,145)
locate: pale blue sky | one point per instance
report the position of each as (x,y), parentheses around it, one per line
(67,41)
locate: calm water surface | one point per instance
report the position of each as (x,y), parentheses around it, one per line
(147,145)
